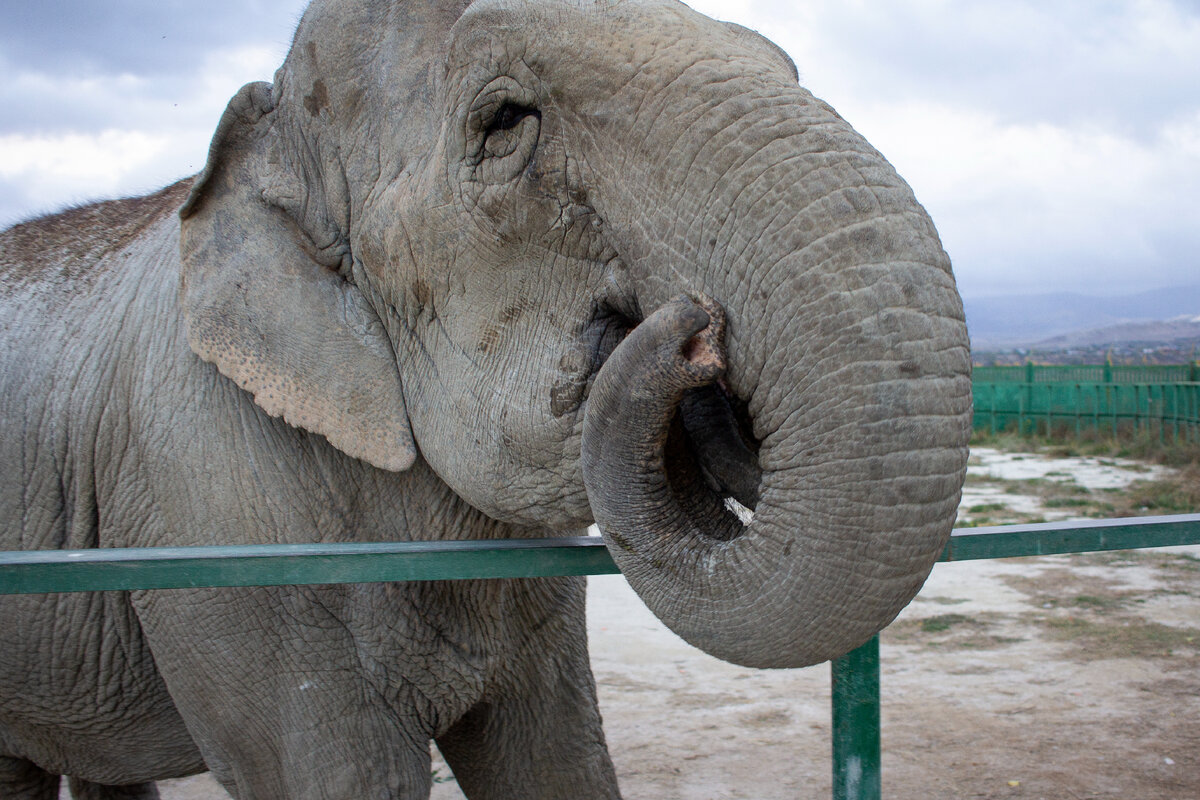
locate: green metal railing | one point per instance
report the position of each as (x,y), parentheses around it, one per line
(855,676)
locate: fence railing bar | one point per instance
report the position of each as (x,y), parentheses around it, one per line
(1074,536)
(32,571)
(856,747)
(278,565)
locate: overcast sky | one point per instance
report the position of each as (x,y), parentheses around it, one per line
(1056,144)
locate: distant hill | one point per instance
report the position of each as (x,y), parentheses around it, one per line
(1011,321)
(1170,330)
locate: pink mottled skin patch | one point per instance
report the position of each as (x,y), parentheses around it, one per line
(702,351)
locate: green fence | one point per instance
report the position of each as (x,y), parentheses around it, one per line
(1170,411)
(1162,401)
(855,677)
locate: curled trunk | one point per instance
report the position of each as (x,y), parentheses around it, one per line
(831,391)
(842,537)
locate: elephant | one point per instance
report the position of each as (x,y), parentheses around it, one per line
(468,270)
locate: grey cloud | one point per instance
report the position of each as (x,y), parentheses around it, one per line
(1127,66)
(145,37)
(1122,67)
(45,102)
(83,68)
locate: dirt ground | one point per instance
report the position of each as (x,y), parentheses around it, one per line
(1063,678)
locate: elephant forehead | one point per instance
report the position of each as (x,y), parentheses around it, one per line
(609,37)
(352,64)
(587,52)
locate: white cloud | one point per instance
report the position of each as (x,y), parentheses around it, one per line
(1072,60)
(1183,135)
(81,164)
(145,132)
(1025,205)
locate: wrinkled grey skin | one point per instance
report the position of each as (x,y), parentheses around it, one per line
(453,275)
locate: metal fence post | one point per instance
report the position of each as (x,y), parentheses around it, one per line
(856,749)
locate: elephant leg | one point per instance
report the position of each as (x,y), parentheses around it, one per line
(86,790)
(548,747)
(24,780)
(539,736)
(307,711)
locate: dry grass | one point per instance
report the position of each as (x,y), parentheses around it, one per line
(951,631)
(1142,447)
(1175,493)
(1094,616)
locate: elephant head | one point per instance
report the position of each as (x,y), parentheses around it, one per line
(599,261)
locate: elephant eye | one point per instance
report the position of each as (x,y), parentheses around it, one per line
(502,127)
(509,116)
(511,127)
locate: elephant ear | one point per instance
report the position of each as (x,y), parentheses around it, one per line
(259,304)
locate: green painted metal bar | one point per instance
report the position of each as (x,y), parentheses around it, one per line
(856,745)
(1053,538)
(1089,373)
(26,572)
(277,565)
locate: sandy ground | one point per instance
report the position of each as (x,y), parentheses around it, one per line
(1058,677)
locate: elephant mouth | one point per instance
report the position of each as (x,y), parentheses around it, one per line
(710,445)
(719,438)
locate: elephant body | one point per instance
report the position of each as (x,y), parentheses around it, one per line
(131,441)
(468,270)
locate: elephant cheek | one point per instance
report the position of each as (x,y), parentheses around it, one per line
(567,393)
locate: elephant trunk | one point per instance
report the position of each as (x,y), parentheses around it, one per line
(837,402)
